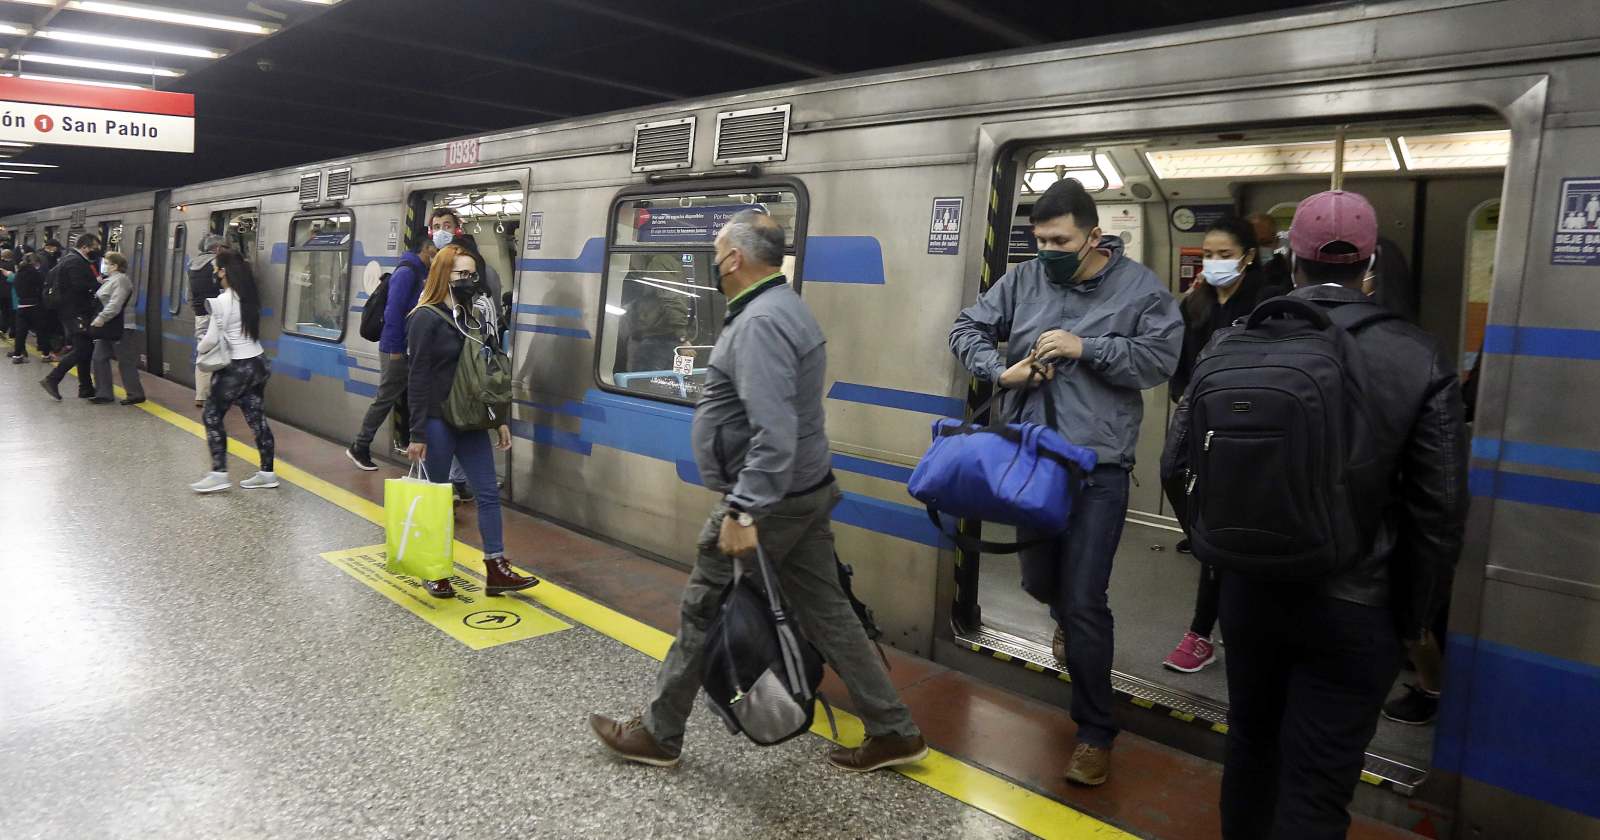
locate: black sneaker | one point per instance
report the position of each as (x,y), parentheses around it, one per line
(1414,708)
(463,492)
(362,458)
(1183,547)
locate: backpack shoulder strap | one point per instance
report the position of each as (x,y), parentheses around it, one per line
(1292,307)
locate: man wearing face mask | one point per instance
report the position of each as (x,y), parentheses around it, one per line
(1095,328)
(77,281)
(405,286)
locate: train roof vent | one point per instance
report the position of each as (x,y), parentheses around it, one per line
(663,145)
(310,189)
(338,185)
(754,136)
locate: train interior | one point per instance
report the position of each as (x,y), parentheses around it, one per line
(1436,184)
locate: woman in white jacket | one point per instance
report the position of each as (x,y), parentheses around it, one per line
(115,294)
(236,319)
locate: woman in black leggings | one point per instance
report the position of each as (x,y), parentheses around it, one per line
(236,319)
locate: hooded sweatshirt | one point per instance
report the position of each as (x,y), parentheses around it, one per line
(1132,334)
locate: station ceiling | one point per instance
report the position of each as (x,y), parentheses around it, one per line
(299,81)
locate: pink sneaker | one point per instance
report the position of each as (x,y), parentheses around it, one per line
(1192,654)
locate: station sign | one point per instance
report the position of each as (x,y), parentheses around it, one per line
(64,114)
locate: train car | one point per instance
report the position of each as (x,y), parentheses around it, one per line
(1470,124)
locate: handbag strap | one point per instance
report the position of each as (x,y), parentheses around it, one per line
(977,546)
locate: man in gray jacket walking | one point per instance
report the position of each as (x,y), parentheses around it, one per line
(759,442)
(1090,329)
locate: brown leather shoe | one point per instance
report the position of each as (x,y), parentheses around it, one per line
(439,588)
(499,579)
(1058,647)
(630,740)
(1090,765)
(879,752)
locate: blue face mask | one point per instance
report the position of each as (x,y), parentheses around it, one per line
(442,238)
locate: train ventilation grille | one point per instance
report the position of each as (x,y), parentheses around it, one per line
(663,145)
(310,189)
(338,185)
(754,136)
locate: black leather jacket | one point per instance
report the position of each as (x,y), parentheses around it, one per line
(1416,405)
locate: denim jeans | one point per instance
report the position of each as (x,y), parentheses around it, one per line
(475,453)
(1072,575)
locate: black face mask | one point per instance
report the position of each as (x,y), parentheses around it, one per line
(716,273)
(464,290)
(94,256)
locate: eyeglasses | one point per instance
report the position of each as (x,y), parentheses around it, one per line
(463,275)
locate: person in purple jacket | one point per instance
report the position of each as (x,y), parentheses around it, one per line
(405,286)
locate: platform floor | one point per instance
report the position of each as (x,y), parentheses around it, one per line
(184,666)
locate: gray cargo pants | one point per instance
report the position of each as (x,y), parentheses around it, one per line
(391,393)
(798,540)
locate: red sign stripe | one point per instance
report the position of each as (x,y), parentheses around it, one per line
(89,96)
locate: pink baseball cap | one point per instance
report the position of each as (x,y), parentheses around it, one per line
(1334,216)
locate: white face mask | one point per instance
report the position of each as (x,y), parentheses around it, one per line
(1221,273)
(441,238)
(105,267)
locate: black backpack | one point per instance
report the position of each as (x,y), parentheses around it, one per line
(759,673)
(54,295)
(1282,474)
(372,310)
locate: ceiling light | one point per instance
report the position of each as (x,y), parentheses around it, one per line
(14,144)
(1314,158)
(34,165)
(1462,150)
(165,15)
(17,172)
(96,64)
(320,2)
(75,37)
(12,29)
(41,77)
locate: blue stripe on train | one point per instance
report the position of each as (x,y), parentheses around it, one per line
(1522,721)
(828,259)
(1549,342)
(1538,454)
(894,398)
(1580,496)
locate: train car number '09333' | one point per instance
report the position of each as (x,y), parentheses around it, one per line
(461,153)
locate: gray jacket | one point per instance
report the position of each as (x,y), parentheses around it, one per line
(1132,334)
(113,294)
(758,428)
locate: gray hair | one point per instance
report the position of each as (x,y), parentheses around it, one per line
(756,235)
(210,241)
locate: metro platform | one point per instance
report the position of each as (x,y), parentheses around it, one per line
(238,665)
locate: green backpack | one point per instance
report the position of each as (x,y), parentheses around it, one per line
(480,394)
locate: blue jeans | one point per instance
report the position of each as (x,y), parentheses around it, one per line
(1072,575)
(476,456)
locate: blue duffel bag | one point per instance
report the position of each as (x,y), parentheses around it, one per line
(1018,473)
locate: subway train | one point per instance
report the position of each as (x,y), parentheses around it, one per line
(1471,125)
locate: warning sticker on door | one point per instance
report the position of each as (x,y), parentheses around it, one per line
(471,618)
(944,231)
(1578,223)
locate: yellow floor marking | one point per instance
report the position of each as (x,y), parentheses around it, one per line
(471,618)
(975,786)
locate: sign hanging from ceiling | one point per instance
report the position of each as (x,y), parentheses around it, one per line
(83,115)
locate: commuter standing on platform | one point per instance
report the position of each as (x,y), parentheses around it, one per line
(1310,662)
(75,278)
(114,295)
(235,317)
(1104,328)
(27,294)
(202,288)
(444,228)
(405,286)
(759,441)
(453,302)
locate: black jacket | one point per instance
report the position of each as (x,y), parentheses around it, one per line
(29,285)
(78,283)
(1415,402)
(1199,326)
(434,346)
(202,282)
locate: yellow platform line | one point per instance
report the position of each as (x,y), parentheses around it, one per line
(967,783)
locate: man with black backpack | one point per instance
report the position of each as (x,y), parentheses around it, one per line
(759,442)
(71,284)
(397,296)
(1322,453)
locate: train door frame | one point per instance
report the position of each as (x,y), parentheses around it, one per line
(138,266)
(1519,100)
(412,190)
(155,314)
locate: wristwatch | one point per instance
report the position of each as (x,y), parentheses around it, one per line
(745,520)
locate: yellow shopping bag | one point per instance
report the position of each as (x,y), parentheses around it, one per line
(421,527)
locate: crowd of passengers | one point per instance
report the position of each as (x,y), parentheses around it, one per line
(1309,665)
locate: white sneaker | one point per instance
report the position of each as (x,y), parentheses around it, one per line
(212,483)
(260,481)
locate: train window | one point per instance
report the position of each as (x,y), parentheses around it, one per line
(136,266)
(50,232)
(30,240)
(237,229)
(314,303)
(178,277)
(663,311)
(111,236)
